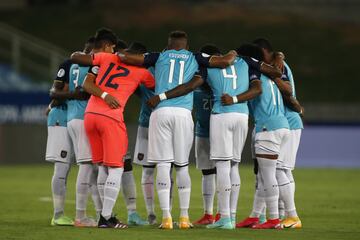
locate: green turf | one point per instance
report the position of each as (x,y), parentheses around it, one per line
(327,201)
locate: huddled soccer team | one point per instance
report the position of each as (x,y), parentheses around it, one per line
(85,120)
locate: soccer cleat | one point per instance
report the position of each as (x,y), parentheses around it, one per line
(184,223)
(262,218)
(166,223)
(269,224)
(135,220)
(291,222)
(217,217)
(233,222)
(62,221)
(248,222)
(113,222)
(205,220)
(152,219)
(223,223)
(85,222)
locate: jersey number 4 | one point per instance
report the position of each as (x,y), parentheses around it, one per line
(232,75)
(124,72)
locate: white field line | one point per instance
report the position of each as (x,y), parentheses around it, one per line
(49,199)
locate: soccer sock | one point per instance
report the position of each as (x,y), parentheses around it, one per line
(111,190)
(281,205)
(223,184)
(267,169)
(259,198)
(129,191)
(163,187)
(82,189)
(102,176)
(208,192)
(292,182)
(171,187)
(235,188)
(183,182)
(94,190)
(58,184)
(147,183)
(286,192)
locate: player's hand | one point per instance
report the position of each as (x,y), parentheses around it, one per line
(153,101)
(278,61)
(233,52)
(302,112)
(226,99)
(80,95)
(112,101)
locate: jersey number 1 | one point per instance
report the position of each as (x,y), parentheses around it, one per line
(272,83)
(181,73)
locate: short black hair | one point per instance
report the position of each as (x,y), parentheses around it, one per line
(263,43)
(137,48)
(178,34)
(104,35)
(90,40)
(210,49)
(250,50)
(120,44)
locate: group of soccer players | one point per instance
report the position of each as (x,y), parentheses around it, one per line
(85,121)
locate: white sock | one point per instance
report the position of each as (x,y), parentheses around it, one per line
(111,190)
(235,188)
(208,192)
(82,189)
(286,193)
(95,195)
(223,184)
(102,176)
(147,183)
(183,182)
(281,205)
(129,191)
(163,183)
(171,187)
(267,169)
(58,185)
(259,198)
(292,182)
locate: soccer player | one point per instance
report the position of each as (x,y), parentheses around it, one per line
(58,147)
(110,85)
(87,175)
(171,125)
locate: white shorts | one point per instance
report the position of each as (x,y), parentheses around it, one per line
(202,153)
(171,134)
(288,151)
(228,132)
(270,142)
(58,146)
(141,147)
(80,140)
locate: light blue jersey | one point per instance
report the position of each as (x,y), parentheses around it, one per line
(58,115)
(145,110)
(268,108)
(172,68)
(293,117)
(202,106)
(232,80)
(76,108)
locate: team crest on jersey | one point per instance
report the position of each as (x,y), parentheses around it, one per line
(140,156)
(61,72)
(253,77)
(95,69)
(63,154)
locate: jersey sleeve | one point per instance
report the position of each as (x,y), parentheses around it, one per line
(254,74)
(94,70)
(285,75)
(148,79)
(203,59)
(64,72)
(202,72)
(150,59)
(252,62)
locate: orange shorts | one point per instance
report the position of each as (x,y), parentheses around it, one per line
(108,139)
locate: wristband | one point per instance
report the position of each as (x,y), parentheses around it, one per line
(235,100)
(103,95)
(162,96)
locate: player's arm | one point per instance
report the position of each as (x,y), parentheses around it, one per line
(266,69)
(90,87)
(223,61)
(284,86)
(293,104)
(253,91)
(82,58)
(178,91)
(146,60)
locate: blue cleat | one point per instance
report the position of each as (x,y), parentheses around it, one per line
(135,220)
(223,223)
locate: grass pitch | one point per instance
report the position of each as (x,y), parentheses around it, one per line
(327,201)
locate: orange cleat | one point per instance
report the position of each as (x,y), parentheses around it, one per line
(205,220)
(248,222)
(269,224)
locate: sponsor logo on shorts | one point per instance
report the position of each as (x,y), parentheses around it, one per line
(63,154)
(140,156)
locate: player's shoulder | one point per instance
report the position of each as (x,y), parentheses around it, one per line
(66,64)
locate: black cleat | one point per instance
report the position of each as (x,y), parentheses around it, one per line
(113,222)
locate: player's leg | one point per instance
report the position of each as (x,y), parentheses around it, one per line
(182,143)
(128,187)
(161,153)
(58,151)
(95,195)
(208,170)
